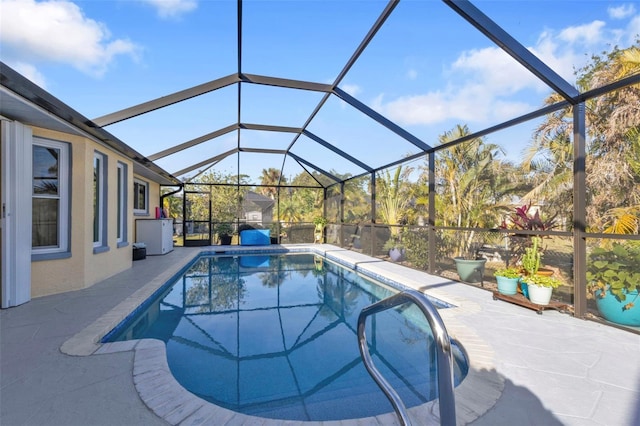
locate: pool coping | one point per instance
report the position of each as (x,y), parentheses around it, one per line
(161,392)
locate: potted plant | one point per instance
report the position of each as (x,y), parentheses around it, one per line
(470,267)
(525,219)
(507,279)
(225,232)
(320,222)
(275,233)
(395,248)
(539,287)
(355,241)
(613,277)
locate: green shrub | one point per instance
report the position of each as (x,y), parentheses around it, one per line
(416,243)
(507,273)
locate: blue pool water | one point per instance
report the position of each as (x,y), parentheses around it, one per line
(275,336)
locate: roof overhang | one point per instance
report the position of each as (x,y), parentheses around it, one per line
(23,101)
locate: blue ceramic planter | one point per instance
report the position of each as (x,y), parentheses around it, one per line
(613,310)
(524,287)
(508,286)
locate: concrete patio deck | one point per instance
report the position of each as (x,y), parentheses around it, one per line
(549,369)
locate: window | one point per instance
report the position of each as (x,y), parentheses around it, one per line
(99,202)
(121,231)
(50,197)
(140,197)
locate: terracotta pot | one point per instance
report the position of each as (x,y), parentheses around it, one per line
(546,272)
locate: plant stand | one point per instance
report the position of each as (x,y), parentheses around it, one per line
(519,299)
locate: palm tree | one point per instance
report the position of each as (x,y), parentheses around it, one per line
(289,211)
(549,163)
(466,177)
(271,177)
(614,173)
(613,125)
(393,196)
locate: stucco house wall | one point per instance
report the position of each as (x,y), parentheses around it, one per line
(84,268)
(54,251)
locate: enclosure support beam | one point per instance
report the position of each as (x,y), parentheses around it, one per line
(278,215)
(512,47)
(579,211)
(324,210)
(217,158)
(193,142)
(431,235)
(381,119)
(341,153)
(313,166)
(341,213)
(373,213)
(165,101)
(284,82)
(373,198)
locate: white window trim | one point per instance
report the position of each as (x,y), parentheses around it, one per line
(144,211)
(63,195)
(122,191)
(101,244)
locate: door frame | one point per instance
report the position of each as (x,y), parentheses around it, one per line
(196,242)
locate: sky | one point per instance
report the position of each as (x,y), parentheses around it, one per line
(426,70)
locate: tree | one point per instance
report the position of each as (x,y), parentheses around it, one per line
(226,199)
(613,124)
(306,200)
(357,201)
(172,203)
(289,211)
(466,177)
(393,196)
(548,163)
(272,178)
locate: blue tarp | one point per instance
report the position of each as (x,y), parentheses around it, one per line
(255,237)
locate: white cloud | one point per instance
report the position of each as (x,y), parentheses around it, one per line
(483,84)
(560,57)
(472,104)
(494,68)
(486,75)
(633,30)
(30,72)
(352,89)
(172,8)
(57,31)
(621,12)
(589,34)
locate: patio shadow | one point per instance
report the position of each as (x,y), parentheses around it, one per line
(517,405)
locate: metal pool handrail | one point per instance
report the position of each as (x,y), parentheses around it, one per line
(444,356)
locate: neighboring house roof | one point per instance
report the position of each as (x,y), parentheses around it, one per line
(26,102)
(257,199)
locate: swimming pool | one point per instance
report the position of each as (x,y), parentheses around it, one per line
(275,336)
